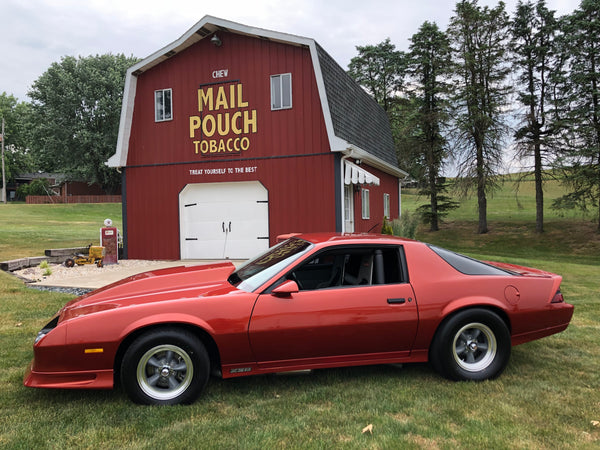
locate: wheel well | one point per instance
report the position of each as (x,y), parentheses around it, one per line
(207,340)
(501,313)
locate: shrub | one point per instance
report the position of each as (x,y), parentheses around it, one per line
(406,225)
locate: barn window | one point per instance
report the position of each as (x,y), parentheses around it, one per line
(163,105)
(281,91)
(386,205)
(366,206)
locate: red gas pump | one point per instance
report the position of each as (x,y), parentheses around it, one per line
(109,239)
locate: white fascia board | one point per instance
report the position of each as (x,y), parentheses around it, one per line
(353,151)
(336,144)
(119,159)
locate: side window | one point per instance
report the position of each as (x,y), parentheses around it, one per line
(163,105)
(281,91)
(386,206)
(358,266)
(366,204)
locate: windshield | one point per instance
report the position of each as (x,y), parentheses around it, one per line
(258,270)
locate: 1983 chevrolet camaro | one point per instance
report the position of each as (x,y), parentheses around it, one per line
(312,301)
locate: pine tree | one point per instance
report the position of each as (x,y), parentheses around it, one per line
(534,29)
(479,40)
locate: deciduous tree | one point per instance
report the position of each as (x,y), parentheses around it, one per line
(77,106)
(379,69)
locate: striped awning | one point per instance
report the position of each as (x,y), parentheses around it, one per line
(354,174)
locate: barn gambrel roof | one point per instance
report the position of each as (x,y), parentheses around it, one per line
(356,124)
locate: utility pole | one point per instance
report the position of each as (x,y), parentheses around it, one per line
(3,173)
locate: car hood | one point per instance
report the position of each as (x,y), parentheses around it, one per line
(155,286)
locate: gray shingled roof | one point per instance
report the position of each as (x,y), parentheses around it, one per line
(356,117)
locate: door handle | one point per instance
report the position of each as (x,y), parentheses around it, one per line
(223,226)
(395,301)
(230,227)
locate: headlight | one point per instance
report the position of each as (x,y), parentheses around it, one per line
(47,329)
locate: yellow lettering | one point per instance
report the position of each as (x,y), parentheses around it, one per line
(241,103)
(213,146)
(221,99)
(229,149)
(245,143)
(205,98)
(194,125)
(221,146)
(248,122)
(223,124)
(208,132)
(232,95)
(234,122)
(196,146)
(204,147)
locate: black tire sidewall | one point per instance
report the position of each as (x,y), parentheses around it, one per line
(188,342)
(442,357)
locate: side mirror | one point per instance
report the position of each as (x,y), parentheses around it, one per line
(286,289)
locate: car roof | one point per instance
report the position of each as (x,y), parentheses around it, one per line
(348,238)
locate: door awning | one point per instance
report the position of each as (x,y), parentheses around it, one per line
(354,174)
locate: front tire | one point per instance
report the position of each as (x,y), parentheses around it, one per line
(165,367)
(473,344)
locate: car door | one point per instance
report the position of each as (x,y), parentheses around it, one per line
(349,313)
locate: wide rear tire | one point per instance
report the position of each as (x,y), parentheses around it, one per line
(473,344)
(165,367)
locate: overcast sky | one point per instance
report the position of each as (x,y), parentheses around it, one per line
(36,33)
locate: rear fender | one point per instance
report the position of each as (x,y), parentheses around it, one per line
(476,302)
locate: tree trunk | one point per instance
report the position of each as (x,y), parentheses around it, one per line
(434,204)
(539,190)
(481,198)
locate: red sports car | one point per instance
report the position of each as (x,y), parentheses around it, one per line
(312,301)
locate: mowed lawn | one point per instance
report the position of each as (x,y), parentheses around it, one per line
(548,396)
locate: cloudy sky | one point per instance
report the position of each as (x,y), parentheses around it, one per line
(36,33)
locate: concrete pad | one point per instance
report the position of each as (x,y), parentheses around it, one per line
(92,277)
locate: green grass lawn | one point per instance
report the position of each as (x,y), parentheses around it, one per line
(547,397)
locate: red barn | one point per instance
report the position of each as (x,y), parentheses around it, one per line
(233,135)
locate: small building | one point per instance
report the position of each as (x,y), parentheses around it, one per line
(232,135)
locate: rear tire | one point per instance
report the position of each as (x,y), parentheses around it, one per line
(70,262)
(165,367)
(474,344)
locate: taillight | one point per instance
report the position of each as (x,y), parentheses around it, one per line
(558,297)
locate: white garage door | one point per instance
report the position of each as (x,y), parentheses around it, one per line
(223,220)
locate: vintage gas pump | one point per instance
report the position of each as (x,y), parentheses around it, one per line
(109,239)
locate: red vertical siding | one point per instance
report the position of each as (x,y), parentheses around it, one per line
(388,185)
(162,158)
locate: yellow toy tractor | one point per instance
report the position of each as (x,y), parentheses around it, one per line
(95,256)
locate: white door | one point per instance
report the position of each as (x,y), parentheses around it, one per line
(223,220)
(349,208)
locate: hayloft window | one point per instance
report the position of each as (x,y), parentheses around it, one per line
(386,205)
(163,105)
(281,91)
(366,205)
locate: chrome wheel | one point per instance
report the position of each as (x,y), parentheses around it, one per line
(164,372)
(474,347)
(472,344)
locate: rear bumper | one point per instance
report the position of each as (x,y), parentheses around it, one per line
(101,379)
(561,315)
